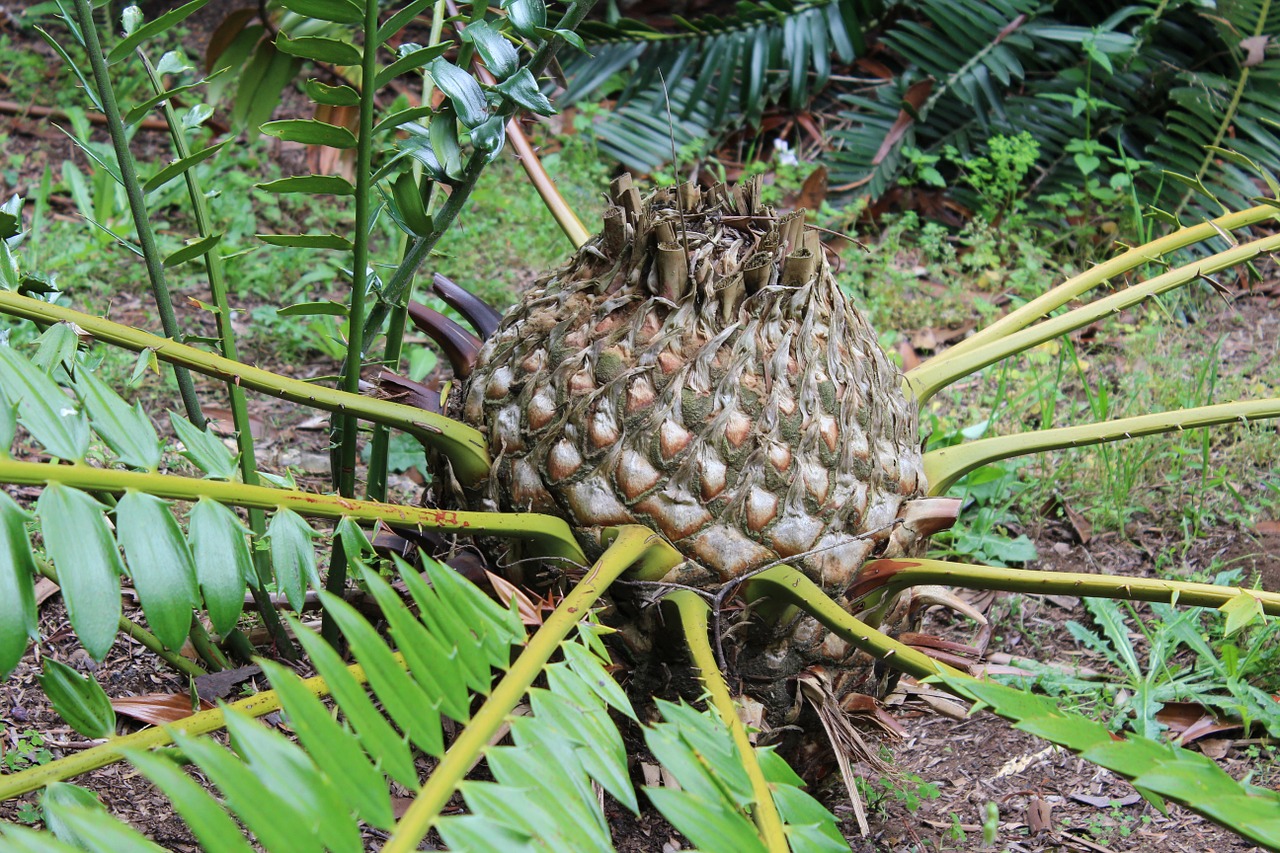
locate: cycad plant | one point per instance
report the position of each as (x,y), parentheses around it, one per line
(689,414)
(1141,98)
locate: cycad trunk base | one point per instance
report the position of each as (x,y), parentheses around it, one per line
(695,368)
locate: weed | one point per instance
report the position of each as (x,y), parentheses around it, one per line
(907,788)
(26,748)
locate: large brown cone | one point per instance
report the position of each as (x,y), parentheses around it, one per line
(702,374)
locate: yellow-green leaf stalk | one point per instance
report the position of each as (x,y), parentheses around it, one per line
(465,447)
(693,610)
(550,535)
(946,465)
(633,544)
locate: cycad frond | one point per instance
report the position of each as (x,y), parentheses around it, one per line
(727,70)
(1235,104)
(318,793)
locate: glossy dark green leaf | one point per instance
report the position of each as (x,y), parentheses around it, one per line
(160,563)
(327,308)
(338,11)
(126,429)
(463,92)
(307,241)
(333,747)
(319,49)
(192,251)
(415,58)
(84,553)
(153,28)
(79,700)
(526,16)
(179,167)
(204,816)
(523,89)
(223,565)
(380,741)
(443,133)
(17,588)
(204,449)
(334,96)
(500,56)
(320,184)
(310,132)
(51,417)
(293,556)
(410,204)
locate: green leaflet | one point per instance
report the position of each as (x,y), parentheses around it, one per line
(44,409)
(223,564)
(330,184)
(126,429)
(523,89)
(334,748)
(160,563)
(75,816)
(310,132)
(79,700)
(500,56)
(274,819)
(17,590)
(8,424)
(204,449)
(338,11)
(416,713)
(79,541)
(397,22)
(22,839)
(153,28)
(414,58)
(335,96)
(138,113)
(293,557)
(409,204)
(320,49)
(179,167)
(295,782)
(379,740)
(326,308)
(193,249)
(527,16)
(208,821)
(57,347)
(1159,769)
(307,241)
(463,92)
